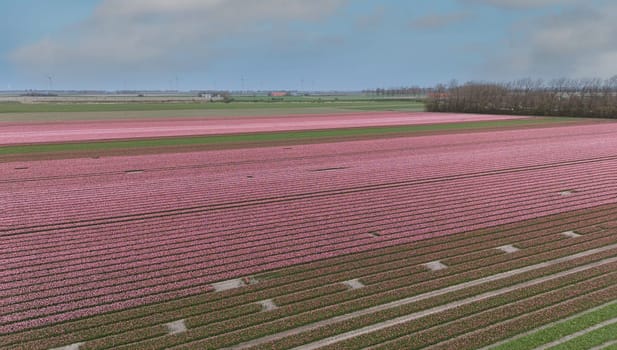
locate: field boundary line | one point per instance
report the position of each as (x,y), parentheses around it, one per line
(605,345)
(548,325)
(427,295)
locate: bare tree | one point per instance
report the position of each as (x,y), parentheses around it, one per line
(558,97)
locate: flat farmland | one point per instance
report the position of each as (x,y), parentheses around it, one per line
(63,131)
(451,238)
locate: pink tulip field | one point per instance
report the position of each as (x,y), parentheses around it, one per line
(106,252)
(63,131)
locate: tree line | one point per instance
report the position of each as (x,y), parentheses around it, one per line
(398,91)
(559,97)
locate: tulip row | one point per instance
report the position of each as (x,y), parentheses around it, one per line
(263,324)
(108,295)
(528,321)
(528,138)
(425,167)
(54,132)
(564,228)
(122,241)
(443,247)
(442,323)
(138,227)
(292,309)
(125,198)
(180,254)
(191,159)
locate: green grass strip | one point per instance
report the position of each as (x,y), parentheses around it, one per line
(591,339)
(612,345)
(238,105)
(562,329)
(268,137)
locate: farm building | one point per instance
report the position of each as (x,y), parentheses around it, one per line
(278,94)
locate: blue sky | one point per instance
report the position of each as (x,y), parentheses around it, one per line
(299,44)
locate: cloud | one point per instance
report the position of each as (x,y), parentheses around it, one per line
(142,35)
(439,21)
(578,42)
(521,4)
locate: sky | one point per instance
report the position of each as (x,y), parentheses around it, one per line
(300,44)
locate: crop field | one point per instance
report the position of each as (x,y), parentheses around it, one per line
(234,108)
(354,230)
(27,133)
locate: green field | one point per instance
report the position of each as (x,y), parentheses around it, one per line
(41,112)
(358,104)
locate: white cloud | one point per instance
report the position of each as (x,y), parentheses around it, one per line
(144,34)
(522,4)
(579,42)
